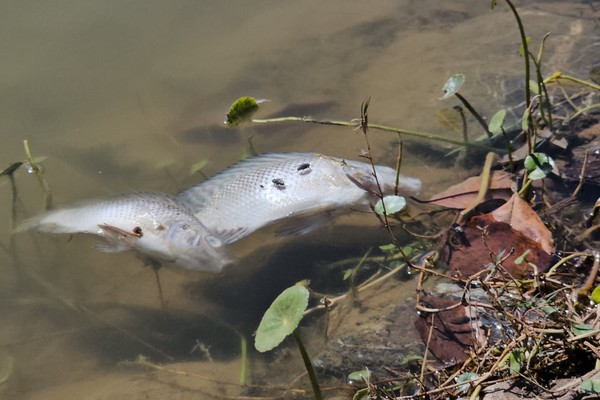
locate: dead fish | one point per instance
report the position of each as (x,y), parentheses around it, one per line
(301,190)
(154,224)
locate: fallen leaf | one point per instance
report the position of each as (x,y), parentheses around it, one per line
(454,330)
(521,217)
(471,250)
(463,194)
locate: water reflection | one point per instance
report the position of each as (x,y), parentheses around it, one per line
(126,96)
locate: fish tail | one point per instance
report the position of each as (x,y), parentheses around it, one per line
(49,222)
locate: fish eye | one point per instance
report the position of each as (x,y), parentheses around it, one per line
(213,241)
(185,227)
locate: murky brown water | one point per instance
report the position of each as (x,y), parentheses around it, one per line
(123,96)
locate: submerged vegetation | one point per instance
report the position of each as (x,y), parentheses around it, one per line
(505,263)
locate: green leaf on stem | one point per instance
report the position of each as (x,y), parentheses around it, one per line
(495,125)
(282,318)
(453,84)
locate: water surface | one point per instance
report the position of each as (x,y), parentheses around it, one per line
(123,96)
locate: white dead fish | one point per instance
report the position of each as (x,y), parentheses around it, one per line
(154,224)
(303,190)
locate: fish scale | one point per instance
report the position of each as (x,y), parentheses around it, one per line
(154,224)
(302,191)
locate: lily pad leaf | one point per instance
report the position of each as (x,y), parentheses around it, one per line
(452,86)
(358,378)
(393,205)
(242,110)
(465,377)
(282,318)
(591,385)
(495,125)
(539,165)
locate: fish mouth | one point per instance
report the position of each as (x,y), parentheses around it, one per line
(206,261)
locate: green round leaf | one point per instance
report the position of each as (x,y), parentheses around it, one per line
(281,318)
(241,110)
(596,295)
(495,125)
(452,85)
(539,165)
(591,385)
(465,377)
(393,205)
(359,378)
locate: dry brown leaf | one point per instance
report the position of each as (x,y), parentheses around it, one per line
(464,193)
(483,238)
(454,331)
(522,218)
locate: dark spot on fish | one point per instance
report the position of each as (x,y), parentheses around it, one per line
(304,168)
(279,183)
(160,227)
(262,186)
(185,227)
(138,231)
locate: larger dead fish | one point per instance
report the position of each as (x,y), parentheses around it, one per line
(154,224)
(302,190)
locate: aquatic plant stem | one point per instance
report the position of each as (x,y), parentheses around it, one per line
(423,135)
(557,76)
(38,173)
(309,367)
(527,67)
(475,114)
(243,360)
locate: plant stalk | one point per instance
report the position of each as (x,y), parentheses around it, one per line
(478,117)
(423,135)
(525,54)
(309,367)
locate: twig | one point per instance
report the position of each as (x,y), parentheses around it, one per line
(586,289)
(38,173)
(426,352)
(483,187)
(351,124)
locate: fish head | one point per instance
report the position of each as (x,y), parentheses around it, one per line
(193,247)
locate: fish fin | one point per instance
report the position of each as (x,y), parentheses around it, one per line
(110,247)
(44,223)
(119,236)
(361,179)
(387,180)
(232,235)
(197,196)
(302,224)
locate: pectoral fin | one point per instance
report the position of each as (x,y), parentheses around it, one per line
(303,223)
(120,239)
(365,181)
